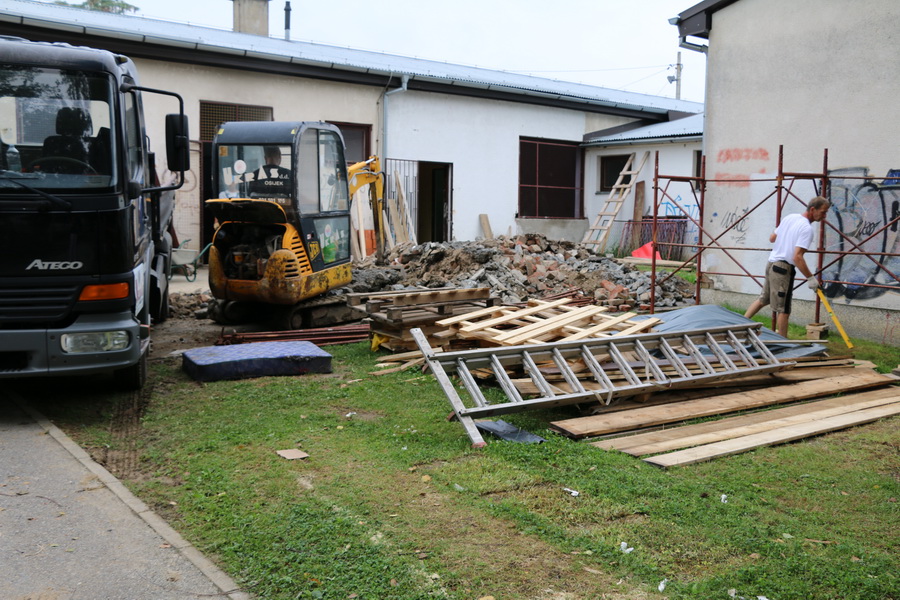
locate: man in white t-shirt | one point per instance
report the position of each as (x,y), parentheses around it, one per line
(791,241)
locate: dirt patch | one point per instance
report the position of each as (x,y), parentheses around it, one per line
(175,335)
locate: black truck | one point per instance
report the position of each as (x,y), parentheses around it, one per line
(85,227)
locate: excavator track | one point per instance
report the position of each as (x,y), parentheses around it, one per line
(316,312)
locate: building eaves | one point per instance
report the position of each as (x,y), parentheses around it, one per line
(697,20)
(686,129)
(183,42)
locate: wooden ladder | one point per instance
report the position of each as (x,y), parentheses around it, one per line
(598,233)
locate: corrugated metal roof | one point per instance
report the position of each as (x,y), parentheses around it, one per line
(188,36)
(686,127)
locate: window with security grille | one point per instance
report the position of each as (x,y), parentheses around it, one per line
(213,114)
(550,179)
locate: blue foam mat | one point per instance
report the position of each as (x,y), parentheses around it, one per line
(258,359)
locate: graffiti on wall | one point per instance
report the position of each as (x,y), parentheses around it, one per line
(679,208)
(735,217)
(742,160)
(861,208)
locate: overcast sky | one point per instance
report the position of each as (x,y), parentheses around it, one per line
(621,44)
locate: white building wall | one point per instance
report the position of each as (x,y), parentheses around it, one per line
(480,138)
(291,99)
(809,75)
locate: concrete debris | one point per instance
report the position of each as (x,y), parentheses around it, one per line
(184,305)
(520,268)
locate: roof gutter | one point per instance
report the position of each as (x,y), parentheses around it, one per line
(645,141)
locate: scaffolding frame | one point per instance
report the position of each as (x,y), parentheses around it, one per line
(783,191)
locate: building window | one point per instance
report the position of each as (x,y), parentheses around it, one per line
(610,168)
(550,179)
(357,141)
(213,114)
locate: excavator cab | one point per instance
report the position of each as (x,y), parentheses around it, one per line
(283,212)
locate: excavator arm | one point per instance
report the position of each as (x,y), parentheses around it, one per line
(368,172)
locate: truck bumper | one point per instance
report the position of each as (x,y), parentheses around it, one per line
(38,352)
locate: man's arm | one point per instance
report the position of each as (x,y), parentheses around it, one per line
(800,262)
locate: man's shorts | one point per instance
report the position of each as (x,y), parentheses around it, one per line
(779,286)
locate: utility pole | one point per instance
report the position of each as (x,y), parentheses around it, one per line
(677,78)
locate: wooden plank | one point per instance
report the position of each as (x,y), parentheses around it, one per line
(639,327)
(437,296)
(514,315)
(472,315)
(775,436)
(692,409)
(486,227)
(723,429)
(602,327)
(518,336)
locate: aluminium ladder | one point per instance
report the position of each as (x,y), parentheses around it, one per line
(598,234)
(611,368)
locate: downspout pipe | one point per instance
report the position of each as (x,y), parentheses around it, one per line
(683,43)
(404,82)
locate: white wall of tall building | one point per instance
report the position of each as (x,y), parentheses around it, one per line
(811,76)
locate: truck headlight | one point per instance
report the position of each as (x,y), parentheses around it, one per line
(99,341)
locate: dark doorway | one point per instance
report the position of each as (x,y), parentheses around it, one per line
(434,202)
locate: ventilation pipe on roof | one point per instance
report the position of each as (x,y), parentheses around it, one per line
(404,81)
(287,20)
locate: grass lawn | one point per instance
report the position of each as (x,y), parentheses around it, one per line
(393,503)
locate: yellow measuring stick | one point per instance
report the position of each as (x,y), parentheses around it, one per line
(834,318)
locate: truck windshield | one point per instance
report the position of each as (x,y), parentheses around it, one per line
(55,130)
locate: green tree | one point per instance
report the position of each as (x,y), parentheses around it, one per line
(117,7)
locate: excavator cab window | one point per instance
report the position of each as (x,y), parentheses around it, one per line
(322,173)
(256,171)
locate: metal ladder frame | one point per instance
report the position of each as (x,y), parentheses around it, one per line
(734,351)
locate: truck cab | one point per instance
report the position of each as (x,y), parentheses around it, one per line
(283,212)
(83,223)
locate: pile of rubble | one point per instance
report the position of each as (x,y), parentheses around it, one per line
(520,268)
(516,269)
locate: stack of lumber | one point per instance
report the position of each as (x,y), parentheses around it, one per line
(393,314)
(655,428)
(541,322)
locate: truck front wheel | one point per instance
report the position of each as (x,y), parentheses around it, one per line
(134,377)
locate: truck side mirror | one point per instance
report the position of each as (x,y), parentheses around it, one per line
(178,156)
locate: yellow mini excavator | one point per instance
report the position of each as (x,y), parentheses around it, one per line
(283,211)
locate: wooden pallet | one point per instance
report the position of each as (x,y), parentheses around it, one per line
(540,322)
(394,313)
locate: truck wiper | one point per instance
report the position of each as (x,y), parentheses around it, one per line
(65,204)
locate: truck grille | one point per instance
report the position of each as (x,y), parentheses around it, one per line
(36,303)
